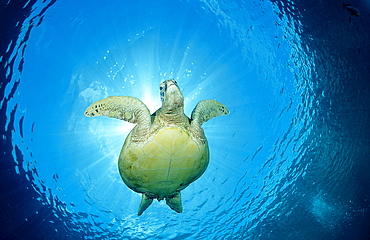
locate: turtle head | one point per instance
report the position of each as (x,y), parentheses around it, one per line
(171,96)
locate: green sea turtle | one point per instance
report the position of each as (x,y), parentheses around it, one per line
(165,151)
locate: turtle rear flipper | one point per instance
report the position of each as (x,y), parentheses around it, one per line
(175,202)
(144,204)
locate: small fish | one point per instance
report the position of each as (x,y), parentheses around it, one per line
(351,10)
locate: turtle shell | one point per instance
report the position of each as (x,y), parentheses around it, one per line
(167,162)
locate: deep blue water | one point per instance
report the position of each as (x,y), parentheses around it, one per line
(291,160)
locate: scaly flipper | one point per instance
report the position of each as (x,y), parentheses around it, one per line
(175,202)
(129,109)
(144,204)
(206,110)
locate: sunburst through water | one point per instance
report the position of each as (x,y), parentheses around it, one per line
(289,162)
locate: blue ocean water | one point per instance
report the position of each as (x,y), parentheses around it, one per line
(290,161)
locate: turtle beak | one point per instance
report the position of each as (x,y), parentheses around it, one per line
(166,85)
(170,83)
(170,94)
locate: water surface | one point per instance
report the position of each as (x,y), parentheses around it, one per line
(289,162)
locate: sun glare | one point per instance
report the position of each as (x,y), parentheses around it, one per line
(151,100)
(124,128)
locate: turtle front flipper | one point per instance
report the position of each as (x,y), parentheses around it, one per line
(144,204)
(206,110)
(129,109)
(175,202)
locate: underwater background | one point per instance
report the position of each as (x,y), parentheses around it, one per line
(290,161)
